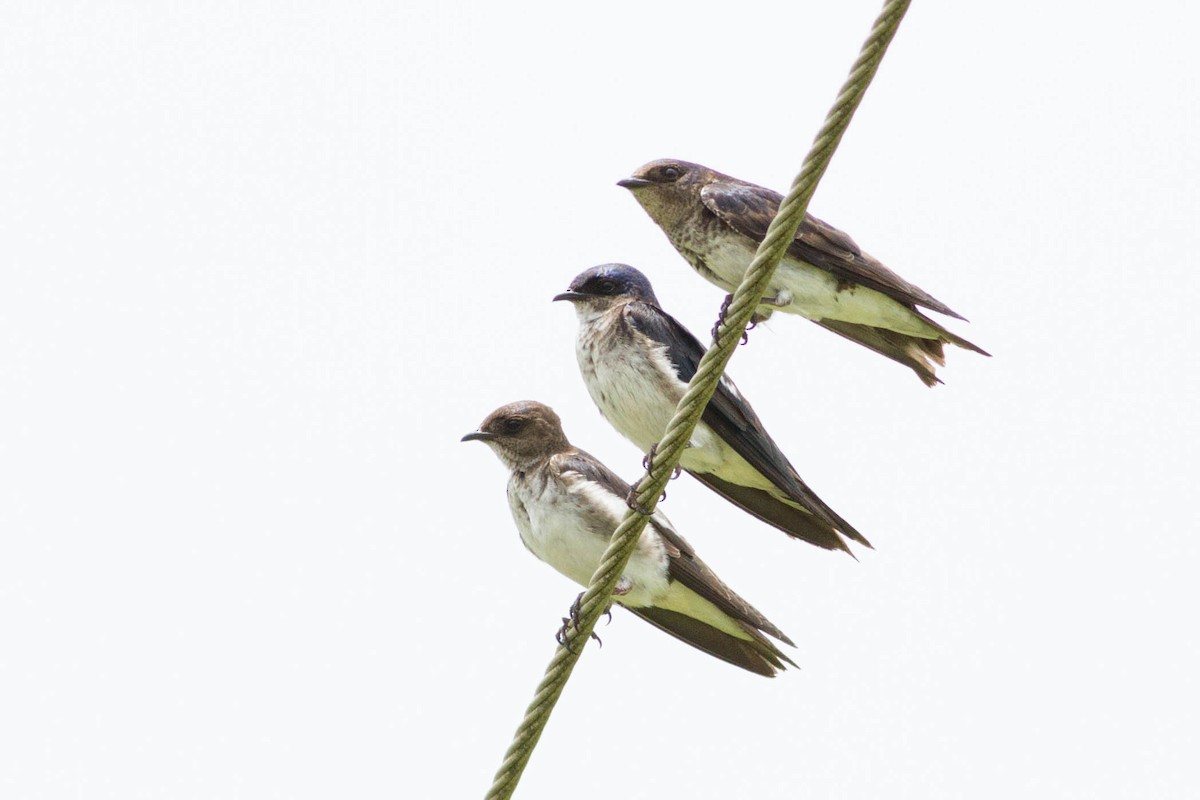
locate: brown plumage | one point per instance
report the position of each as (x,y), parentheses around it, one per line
(716,222)
(566,505)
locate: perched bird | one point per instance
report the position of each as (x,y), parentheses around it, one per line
(717,222)
(637,360)
(567,504)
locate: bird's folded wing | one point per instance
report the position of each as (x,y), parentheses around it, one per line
(749,209)
(755,654)
(727,413)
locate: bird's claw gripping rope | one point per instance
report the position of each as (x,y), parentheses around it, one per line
(572,621)
(648,465)
(721,321)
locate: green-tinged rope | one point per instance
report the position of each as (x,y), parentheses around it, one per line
(679,431)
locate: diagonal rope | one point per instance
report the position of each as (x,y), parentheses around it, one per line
(679,431)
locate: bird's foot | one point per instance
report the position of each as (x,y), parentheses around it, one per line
(648,464)
(572,621)
(721,315)
(721,320)
(766,306)
(781,300)
(631,500)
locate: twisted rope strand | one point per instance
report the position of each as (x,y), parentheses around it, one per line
(687,414)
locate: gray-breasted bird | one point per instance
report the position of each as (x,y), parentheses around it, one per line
(636,361)
(567,504)
(717,222)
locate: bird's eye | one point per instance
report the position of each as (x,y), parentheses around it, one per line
(607,286)
(513,424)
(671,173)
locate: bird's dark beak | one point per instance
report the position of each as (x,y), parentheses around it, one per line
(478,436)
(572,296)
(633,183)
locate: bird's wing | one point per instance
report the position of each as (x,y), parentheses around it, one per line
(749,209)
(755,654)
(728,414)
(592,469)
(817,528)
(687,568)
(684,565)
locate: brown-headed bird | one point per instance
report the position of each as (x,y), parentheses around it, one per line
(717,222)
(566,505)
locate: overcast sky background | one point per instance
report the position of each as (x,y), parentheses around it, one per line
(265,263)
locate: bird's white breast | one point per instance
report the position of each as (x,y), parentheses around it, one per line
(567,521)
(634,384)
(631,383)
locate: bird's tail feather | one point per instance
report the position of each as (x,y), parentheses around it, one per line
(918,354)
(821,531)
(756,654)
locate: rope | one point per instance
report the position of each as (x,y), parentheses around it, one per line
(679,431)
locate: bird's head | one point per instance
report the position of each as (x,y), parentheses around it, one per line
(669,189)
(522,433)
(600,287)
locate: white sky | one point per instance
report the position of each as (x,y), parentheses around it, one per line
(264,263)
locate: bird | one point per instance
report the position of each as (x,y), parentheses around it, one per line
(717,222)
(636,361)
(566,505)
